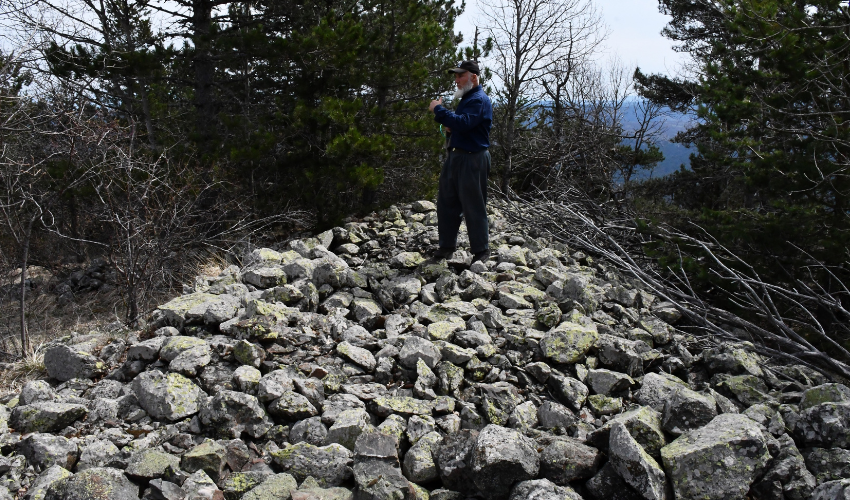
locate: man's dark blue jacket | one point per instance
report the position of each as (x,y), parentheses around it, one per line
(471,123)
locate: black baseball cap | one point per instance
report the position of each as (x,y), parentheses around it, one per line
(464,66)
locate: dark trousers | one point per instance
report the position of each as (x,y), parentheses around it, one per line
(463,192)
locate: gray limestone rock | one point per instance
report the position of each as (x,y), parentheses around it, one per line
(551,415)
(567,460)
(377,446)
(347,428)
(274,385)
(416,348)
(46,416)
(608,485)
(568,391)
(338,403)
(330,465)
(657,388)
(453,458)
(686,410)
(621,354)
(292,406)
(64,363)
(500,458)
(602,381)
(377,480)
(99,483)
(167,397)
(98,453)
(45,450)
(36,391)
(637,468)
(542,489)
(230,413)
(310,430)
(832,490)
(643,424)
(718,461)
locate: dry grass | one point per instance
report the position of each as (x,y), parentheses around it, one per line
(31,367)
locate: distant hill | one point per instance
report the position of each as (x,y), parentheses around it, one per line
(675,154)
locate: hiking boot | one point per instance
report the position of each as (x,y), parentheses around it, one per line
(482,256)
(443,253)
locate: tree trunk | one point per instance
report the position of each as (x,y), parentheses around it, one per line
(25,244)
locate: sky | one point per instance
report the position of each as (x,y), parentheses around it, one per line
(634,34)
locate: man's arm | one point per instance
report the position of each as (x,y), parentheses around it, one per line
(472,115)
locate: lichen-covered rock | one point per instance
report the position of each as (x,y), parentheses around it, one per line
(330,465)
(230,413)
(347,428)
(175,345)
(292,406)
(825,425)
(718,461)
(150,464)
(248,353)
(99,483)
(825,393)
(357,355)
(173,312)
(274,487)
(637,468)
(827,464)
(568,342)
(500,458)
(387,405)
(191,361)
(208,456)
(45,417)
(832,490)
(64,363)
(622,355)
(167,397)
(568,391)
(39,487)
(419,465)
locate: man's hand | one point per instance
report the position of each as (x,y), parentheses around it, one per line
(435,103)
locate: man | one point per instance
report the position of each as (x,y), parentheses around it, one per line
(463,180)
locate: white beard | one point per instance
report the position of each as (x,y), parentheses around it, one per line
(463,90)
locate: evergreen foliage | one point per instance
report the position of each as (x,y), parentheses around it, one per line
(771,96)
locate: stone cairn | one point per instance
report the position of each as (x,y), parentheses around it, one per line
(349,366)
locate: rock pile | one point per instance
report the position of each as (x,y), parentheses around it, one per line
(349,366)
